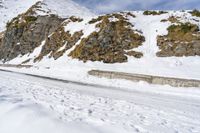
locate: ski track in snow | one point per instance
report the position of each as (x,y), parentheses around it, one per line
(134,111)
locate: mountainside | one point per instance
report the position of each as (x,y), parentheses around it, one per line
(51,33)
(11,8)
(63,68)
(64,8)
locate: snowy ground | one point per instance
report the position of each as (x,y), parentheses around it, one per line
(40,105)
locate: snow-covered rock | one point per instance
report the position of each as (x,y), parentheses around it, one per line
(63,8)
(11,8)
(53,52)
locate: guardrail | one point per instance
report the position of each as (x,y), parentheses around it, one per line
(174,82)
(16,66)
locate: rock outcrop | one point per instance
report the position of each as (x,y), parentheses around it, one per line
(110,43)
(110,38)
(60,41)
(195,13)
(154,12)
(25,33)
(182,40)
(1,38)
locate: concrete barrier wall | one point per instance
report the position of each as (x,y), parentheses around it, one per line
(16,66)
(175,82)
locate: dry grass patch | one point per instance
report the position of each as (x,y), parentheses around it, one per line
(109,44)
(182,40)
(154,12)
(195,13)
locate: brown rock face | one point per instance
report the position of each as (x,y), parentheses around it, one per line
(59,39)
(1,37)
(25,33)
(134,54)
(182,40)
(109,44)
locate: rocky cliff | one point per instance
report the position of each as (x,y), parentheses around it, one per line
(183,39)
(110,38)
(25,33)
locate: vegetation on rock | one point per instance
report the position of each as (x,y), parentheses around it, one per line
(59,39)
(134,54)
(109,44)
(154,12)
(183,28)
(172,19)
(1,38)
(25,18)
(115,15)
(20,21)
(75,19)
(195,13)
(182,40)
(26,32)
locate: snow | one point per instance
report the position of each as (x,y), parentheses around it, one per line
(83,26)
(151,26)
(29,56)
(113,19)
(41,105)
(63,8)
(11,8)
(33,118)
(25,118)
(30,104)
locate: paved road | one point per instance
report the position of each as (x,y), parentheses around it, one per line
(137,111)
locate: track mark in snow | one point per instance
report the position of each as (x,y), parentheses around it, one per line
(70,104)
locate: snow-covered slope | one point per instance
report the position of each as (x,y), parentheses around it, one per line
(63,8)
(11,8)
(149,26)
